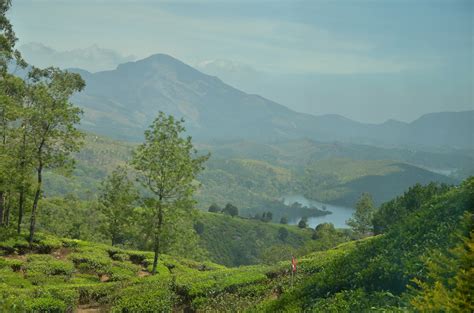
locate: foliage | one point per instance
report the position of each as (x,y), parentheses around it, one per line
(423,250)
(357,301)
(51,122)
(214,208)
(303,223)
(46,304)
(361,220)
(91,261)
(230,209)
(238,241)
(390,262)
(449,284)
(282,233)
(78,219)
(168,165)
(276,253)
(397,209)
(117,198)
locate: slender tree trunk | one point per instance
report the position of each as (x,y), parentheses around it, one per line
(7,209)
(21,207)
(2,205)
(156,246)
(21,200)
(114,238)
(156,249)
(114,231)
(35,205)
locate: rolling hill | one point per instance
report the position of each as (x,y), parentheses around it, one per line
(254,176)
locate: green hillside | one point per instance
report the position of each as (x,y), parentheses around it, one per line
(394,271)
(254,177)
(236,241)
(342,181)
(231,241)
(406,266)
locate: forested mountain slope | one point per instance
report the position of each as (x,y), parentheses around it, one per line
(255,176)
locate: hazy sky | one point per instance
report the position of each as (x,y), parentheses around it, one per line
(367,60)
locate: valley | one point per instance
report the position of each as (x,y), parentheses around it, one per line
(255,177)
(150,186)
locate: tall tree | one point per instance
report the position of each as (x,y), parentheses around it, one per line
(361,220)
(8,53)
(303,223)
(214,208)
(168,165)
(230,209)
(52,125)
(10,92)
(117,198)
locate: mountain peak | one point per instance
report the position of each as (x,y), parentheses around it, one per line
(161,58)
(165,65)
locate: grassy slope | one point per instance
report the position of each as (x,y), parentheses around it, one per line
(379,271)
(63,274)
(356,276)
(229,241)
(236,241)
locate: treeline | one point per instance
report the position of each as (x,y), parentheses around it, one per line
(37,128)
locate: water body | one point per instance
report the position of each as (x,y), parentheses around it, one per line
(445,172)
(338,217)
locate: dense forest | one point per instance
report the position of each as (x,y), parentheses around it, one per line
(170,224)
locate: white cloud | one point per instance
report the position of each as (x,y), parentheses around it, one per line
(92,58)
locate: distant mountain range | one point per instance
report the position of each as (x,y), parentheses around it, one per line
(121,103)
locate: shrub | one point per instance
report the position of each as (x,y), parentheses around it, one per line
(92,260)
(70,296)
(120,257)
(137,257)
(70,243)
(46,304)
(123,271)
(145,297)
(99,293)
(12,280)
(16,244)
(45,244)
(48,265)
(14,264)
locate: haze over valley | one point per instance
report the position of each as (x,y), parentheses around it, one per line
(236,156)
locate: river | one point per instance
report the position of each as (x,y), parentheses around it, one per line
(338,217)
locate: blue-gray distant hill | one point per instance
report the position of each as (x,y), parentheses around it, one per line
(121,103)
